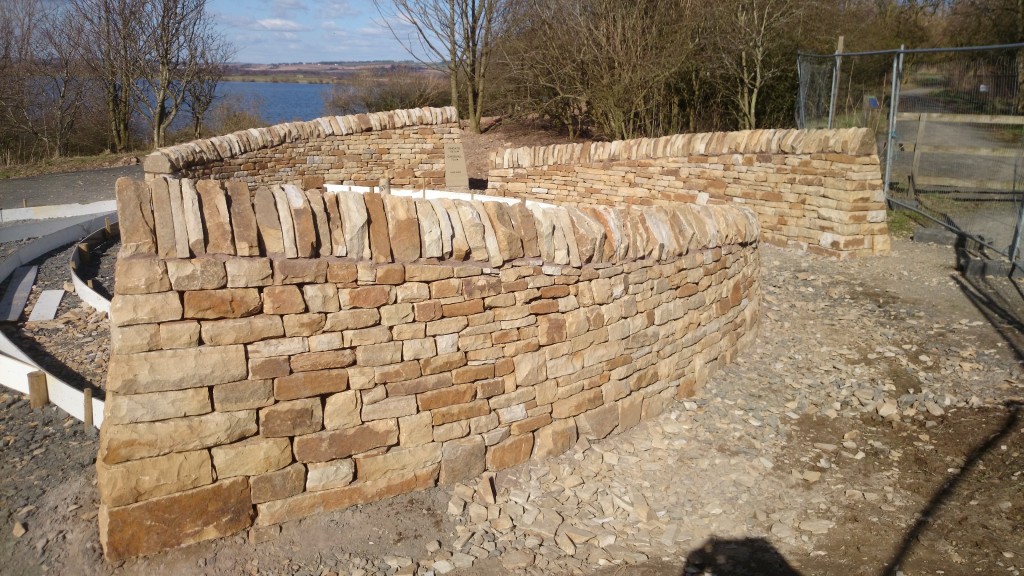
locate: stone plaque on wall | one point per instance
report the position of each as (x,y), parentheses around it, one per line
(455,175)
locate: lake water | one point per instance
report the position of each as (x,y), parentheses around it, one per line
(281,102)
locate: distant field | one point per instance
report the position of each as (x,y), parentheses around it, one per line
(283,78)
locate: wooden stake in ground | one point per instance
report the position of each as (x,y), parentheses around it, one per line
(37,393)
(87,418)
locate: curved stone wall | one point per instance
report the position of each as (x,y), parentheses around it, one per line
(816,190)
(280,352)
(406,146)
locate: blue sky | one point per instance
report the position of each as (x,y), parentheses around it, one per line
(277,31)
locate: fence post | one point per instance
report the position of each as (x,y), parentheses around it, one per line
(894,104)
(836,66)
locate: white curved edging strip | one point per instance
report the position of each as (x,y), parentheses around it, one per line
(56,211)
(87,294)
(15,365)
(38,228)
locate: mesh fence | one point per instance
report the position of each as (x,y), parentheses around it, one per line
(952,145)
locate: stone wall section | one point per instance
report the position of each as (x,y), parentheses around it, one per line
(816,190)
(406,146)
(280,352)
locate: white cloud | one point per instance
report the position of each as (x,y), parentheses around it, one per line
(279,25)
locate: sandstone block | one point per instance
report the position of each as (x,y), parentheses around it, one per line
(355,222)
(161,370)
(184,334)
(196,274)
(132,339)
(243,219)
(293,418)
(342,410)
(336,225)
(525,226)
(277,347)
(530,368)
(138,234)
(284,216)
(227,303)
(139,480)
(241,330)
(181,248)
(302,221)
(299,271)
(458,412)
(380,240)
(248,272)
(415,430)
(555,438)
(442,363)
(419,385)
(251,457)
(396,372)
(327,475)
(397,461)
(123,442)
(126,310)
(193,217)
(577,403)
(379,354)
(365,297)
(216,218)
(444,397)
(599,422)
(323,230)
(321,297)
(342,272)
(365,336)
(283,300)
(243,395)
(351,320)
(322,360)
(303,324)
(389,408)
(429,229)
(278,485)
(510,452)
(462,459)
(268,367)
(309,503)
(509,243)
(163,219)
(403,227)
(140,276)
(335,444)
(204,513)
(130,408)
(268,221)
(307,384)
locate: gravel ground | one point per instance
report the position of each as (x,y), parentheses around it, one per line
(871,426)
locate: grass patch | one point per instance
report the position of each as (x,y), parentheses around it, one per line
(901,223)
(69,164)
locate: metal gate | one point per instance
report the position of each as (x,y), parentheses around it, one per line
(949,125)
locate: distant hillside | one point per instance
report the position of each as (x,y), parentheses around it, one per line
(314,72)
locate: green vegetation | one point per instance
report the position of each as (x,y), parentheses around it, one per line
(902,223)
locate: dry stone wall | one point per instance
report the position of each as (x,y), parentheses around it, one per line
(406,146)
(280,352)
(816,190)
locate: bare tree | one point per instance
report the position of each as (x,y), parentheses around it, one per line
(600,63)
(749,47)
(201,93)
(176,34)
(44,87)
(461,33)
(113,47)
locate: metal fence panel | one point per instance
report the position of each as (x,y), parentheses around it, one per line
(953,144)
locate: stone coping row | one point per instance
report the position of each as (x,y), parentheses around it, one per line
(199,152)
(180,219)
(848,141)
